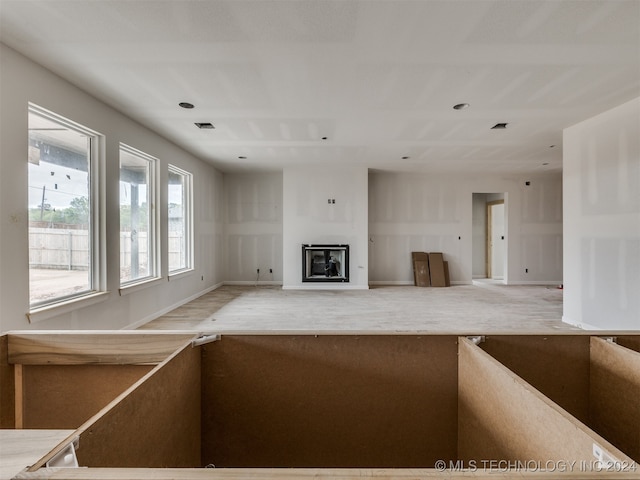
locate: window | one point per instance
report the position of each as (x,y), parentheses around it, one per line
(64,236)
(180,243)
(138,225)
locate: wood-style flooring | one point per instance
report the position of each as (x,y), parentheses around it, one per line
(479,308)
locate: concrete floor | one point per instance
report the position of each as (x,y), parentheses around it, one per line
(482,307)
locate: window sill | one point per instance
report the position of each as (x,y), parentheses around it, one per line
(49,311)
(180,274)
(137,286)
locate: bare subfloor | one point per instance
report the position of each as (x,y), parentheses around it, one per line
(483,307)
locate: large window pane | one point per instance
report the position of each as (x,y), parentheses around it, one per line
(138,258)
(61,236)
(180,247)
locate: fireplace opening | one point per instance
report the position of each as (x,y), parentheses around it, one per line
(325,263)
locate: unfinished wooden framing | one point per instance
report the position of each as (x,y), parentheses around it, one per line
(324,406)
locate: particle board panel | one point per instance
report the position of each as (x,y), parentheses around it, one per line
(615,395)
(153,424)
(7,386)
(66,396)
(329,401)
(156,423)
(630,341)
(503,417)
(556,365)
(70,348)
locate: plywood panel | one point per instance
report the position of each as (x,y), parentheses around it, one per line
(7,391)
(21,448)
(503,417)
(615,395)
(330,401)
(65,348)
(317,474)
(436,269)
(156,423)
(66,396)
(557,365)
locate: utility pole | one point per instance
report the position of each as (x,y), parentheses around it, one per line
(44,189)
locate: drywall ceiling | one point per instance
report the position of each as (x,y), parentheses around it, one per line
(378,79)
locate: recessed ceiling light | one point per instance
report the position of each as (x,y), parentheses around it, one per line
(461,106)
(186,105)
(499,126)
(205,125)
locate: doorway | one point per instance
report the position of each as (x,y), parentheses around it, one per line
(489,237)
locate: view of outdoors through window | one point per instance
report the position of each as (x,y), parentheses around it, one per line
(179,219)
(137,226)
(60,236)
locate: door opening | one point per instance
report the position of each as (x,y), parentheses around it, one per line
(489,244)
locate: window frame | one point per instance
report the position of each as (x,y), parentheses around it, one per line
(187,201)
(97,225)
(154,244)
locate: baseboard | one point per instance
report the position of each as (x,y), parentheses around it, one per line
(407,283)
(246,283)
(149,318)
(535,282)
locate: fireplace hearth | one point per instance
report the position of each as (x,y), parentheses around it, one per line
(325,263)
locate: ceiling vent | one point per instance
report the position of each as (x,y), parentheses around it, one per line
(499,126)
(205,126)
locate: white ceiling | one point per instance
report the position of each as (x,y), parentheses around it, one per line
(377,78)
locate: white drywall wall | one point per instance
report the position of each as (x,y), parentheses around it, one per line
(601,176)
(434,213)
(22,81)
(309,218)
(253,237)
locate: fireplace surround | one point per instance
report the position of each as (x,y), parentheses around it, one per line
(325,263)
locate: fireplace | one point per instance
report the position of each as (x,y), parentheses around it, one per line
(325,263)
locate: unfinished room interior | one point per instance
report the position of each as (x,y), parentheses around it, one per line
(268,239)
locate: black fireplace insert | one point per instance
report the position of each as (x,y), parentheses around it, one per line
(325,263)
